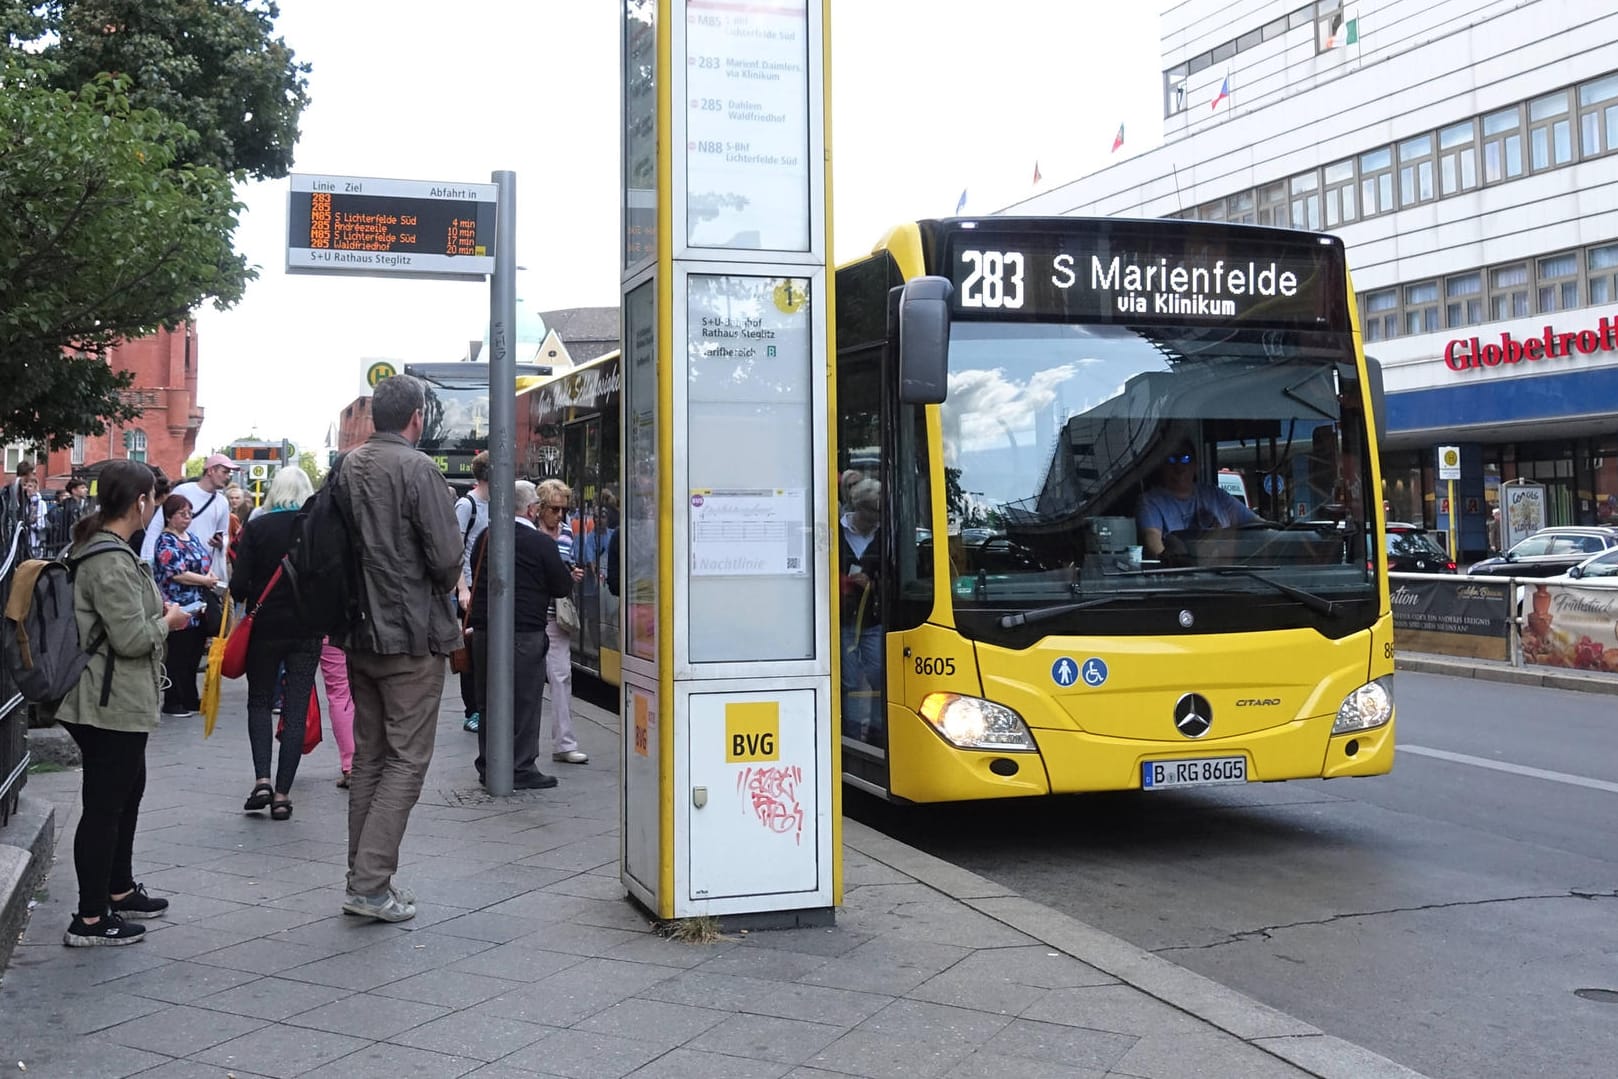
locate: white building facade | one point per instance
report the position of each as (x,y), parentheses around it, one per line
(1467,153)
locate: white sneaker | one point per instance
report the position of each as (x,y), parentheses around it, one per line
(572,756)
(385,907)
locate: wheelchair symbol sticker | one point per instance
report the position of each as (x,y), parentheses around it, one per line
(1066,672)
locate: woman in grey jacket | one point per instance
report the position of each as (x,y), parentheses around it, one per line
(114,706)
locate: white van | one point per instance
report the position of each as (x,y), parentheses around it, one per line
(1231,483)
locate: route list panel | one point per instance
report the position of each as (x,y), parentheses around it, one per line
(747,125)
(360,225)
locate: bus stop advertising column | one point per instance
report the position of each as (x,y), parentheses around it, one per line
(730,807)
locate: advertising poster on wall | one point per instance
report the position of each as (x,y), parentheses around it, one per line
(1450,617)
(1572,626)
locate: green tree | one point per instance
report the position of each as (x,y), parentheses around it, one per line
(214,66)
(193,467)
(105,236)
(311,468)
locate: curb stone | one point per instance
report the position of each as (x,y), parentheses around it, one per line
(1282,1036)
(26,846)
(53,745)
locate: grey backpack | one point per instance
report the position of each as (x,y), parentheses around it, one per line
(40,635)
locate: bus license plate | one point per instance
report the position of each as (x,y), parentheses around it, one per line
(1197,772)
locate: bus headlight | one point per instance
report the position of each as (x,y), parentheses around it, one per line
(1369,706)
(974,723)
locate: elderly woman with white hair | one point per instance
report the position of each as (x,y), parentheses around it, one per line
(279,640)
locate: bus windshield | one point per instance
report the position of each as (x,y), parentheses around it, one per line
(456,416)
(1087,462)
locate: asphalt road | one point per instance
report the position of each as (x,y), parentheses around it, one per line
(1446,915)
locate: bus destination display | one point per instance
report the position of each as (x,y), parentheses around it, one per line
(1136,277)
(360,225)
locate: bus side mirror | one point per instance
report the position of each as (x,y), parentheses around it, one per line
(1379,413)
(924,340)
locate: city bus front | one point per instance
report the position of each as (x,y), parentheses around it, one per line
(1080,601)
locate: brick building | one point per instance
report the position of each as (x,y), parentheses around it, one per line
(165,435)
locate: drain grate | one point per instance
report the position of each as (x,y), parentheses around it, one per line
(477,796)
(1600,996)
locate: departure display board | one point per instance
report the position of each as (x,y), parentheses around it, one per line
(388,228)
(1142,274)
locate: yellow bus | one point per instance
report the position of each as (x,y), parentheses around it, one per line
(1044,584)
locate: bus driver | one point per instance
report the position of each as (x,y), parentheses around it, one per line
(1181,503)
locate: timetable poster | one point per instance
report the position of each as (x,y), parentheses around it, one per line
(747,125)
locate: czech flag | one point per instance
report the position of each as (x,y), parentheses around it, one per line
(1224,92)
(1118,139)
(1036,174)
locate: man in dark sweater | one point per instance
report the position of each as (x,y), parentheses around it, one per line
(540,576)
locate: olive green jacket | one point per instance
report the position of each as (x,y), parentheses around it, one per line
(117,593)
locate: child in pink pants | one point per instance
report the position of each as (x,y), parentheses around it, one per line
(334,669)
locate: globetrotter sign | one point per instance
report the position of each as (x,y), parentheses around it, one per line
(1468,353)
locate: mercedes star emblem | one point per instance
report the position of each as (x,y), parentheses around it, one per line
(1193,715)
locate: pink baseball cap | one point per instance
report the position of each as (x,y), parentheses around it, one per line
(218,459)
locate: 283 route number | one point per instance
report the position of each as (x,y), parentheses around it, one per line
(995,280)
(930,665)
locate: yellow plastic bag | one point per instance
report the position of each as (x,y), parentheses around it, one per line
(214,676)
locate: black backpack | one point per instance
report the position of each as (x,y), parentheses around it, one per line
(40,638)
(322,564)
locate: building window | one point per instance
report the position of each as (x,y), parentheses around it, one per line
(1458,157)
(1598,116)
(135,445)
(1376,182)
(1305,190)
(1421,307)
(1602,263)
(1508,291)
(1241,208)
(1550,131)
(1502,145)
(17,453)
(1381,315)
(1339,193)
(1463,300)
(1275,28)
(76,457)
(1416,171)
(1272,205)
(1211,211)
(1558,283)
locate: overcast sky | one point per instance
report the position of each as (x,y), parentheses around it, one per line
(929,97)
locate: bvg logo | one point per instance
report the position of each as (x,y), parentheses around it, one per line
(752,731)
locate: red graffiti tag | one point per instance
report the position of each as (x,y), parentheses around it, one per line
(774,796)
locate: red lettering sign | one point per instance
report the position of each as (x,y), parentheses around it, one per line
(1469,353)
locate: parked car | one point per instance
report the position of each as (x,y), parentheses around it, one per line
(1549,552)
(1411,550)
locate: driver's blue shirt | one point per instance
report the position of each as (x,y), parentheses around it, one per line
(1204,508)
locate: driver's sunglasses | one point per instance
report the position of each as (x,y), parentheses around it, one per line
(1180,458)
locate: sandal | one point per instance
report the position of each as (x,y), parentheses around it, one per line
(262,793)
(281,810)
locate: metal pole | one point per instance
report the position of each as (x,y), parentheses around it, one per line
(497,714)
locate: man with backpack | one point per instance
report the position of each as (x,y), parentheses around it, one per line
(472,515)
(409,569)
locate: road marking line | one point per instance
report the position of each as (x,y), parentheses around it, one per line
(1514,769)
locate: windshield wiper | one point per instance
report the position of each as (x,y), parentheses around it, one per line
(1045,614)
(1308,599)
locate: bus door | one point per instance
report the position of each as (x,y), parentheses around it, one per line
(861,564)
(581,470)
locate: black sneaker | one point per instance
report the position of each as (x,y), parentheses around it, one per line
(540,782)
(110,930)
(137,904)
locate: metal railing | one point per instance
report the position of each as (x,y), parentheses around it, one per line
(1501,618)
(14,757)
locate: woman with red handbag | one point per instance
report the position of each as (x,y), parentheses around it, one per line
(277,639)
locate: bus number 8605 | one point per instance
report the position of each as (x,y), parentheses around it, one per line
(995,280)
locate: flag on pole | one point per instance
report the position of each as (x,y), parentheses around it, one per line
(1118,139)
(960,203)
(1036,174)
(1224,92)
(1343,28)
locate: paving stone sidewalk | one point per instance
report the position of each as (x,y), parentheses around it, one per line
(526,959)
